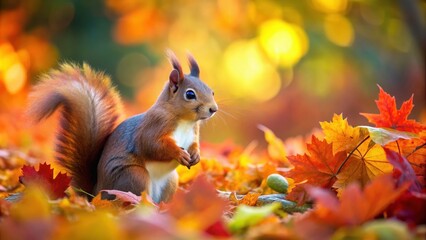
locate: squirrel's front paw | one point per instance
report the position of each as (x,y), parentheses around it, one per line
(184,158)
(195,157)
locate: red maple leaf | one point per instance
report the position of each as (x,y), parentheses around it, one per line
(218,229)
(411,205)
(44,176)
(390,117)
(402,170)
(413,150)
(410,208)
(319,168)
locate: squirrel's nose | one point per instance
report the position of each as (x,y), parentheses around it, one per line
(213,110)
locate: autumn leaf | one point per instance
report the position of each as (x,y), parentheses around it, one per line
(384,136)
(186,174)
(343,136)
(388,229)
(410,208)
(73,205)
(402,170)
(276,149)
(93,225)
(366,162)
(116,199)
(270,228)
(33,205)
(199,208)
(250,199)
(319,168)
(218,229)
(246,216)
(13,159)
(355,206)
(30,217)
(414,150)
(390,117)
(55,186)
(148,225)
(4,208)
(411,205)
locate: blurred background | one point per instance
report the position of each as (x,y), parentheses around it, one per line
(284,64)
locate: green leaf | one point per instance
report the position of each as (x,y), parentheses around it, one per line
(383,136)
(246,216)
(386,229)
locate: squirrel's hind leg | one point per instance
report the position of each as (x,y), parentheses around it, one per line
(170,187)
(133,179)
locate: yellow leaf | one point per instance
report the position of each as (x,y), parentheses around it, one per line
(276,148)
(367,162)
(33,205)
(94,225)
(343,136)
(186,175)
(291,184)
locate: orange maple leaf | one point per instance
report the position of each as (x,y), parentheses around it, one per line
(414,150)
(356,206)
(250,199)
(199,208)
(319,168)
(390,117)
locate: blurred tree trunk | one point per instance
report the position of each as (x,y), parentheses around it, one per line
(416,22)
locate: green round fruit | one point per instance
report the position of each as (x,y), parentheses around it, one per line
(277,183)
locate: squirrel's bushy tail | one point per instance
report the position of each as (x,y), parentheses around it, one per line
(90,110)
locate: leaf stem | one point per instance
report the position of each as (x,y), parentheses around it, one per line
(350,154)
(415,149)
(82,191)
(399,149)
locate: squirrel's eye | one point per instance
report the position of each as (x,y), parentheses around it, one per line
(190,95)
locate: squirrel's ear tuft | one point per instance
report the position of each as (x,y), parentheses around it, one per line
(193,66)
(175,63)
(174,80)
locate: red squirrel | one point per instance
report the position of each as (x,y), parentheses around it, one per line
(142,152)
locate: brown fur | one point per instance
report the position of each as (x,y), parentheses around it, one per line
(100,155)
(90,110)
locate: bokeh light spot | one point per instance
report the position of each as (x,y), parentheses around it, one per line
(398,35)
(339,30)
(12,71)
(15,77)
(330,6)
(247,74)
(283,43)
(321,76)
(129,67)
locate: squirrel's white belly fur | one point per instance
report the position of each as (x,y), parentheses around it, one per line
(184,134)
(160,172)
